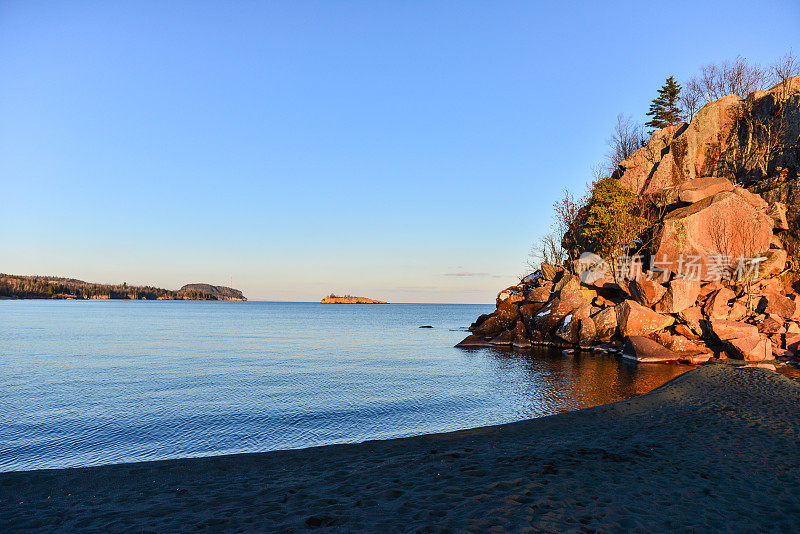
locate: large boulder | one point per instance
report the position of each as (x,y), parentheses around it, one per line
(752,348)
(491,326)
(716,306)
(569,329)
(567,281)
(681,344)
(549,271)
(521,338)
(605,324)
(528,312)
(777,211)
(793,343)
(693,318)
(539,294)
(774,261)
(510,295)
(772,324)
(695,190)
(692,240)
(508,310)
(755,200)
(647,291)
(726,330)
(559,307)
(506,337)
(633,319)
(682,294)
(777,304)
(699,147)
(635,173)
(587,333)
(479,321)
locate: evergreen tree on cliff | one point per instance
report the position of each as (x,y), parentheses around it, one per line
(664,109)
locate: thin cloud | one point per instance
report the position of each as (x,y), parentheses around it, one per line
(466,274)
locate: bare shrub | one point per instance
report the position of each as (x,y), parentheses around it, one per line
(627,138)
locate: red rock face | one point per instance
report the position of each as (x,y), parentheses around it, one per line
(692,317)
(683,152)
(569,329)
(636,170)
(777,211)
(539,294)
(707,136)
(774,262)
(694,239)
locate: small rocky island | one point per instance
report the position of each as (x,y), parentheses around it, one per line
(349,299)
(56,287)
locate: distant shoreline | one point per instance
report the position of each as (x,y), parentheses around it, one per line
(60,288)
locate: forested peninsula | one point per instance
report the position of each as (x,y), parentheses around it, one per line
(56,287)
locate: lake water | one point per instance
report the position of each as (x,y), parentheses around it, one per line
(96,382)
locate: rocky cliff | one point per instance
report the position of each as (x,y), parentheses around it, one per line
(719,277)
(209,292)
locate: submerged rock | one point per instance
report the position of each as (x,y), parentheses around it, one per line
(644,349)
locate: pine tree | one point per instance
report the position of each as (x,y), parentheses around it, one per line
(664,109)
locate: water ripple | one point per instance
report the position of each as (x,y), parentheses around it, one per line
(109,382)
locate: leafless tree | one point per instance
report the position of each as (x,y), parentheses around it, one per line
(691,98)
(549,249)
(739,78)
(628,137)
(566,212)
(760,135)
(785,68)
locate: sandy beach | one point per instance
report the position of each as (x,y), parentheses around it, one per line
(716,448)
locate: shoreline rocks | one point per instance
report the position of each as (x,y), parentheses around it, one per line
(721,280)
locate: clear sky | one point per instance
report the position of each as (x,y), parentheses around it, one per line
(408,151)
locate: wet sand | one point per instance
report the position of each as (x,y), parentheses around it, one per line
(715,448)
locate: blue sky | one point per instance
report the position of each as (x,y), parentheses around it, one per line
(409,151)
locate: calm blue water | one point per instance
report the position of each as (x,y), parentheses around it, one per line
(96,382)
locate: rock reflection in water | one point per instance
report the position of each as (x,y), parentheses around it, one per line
(556,383)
